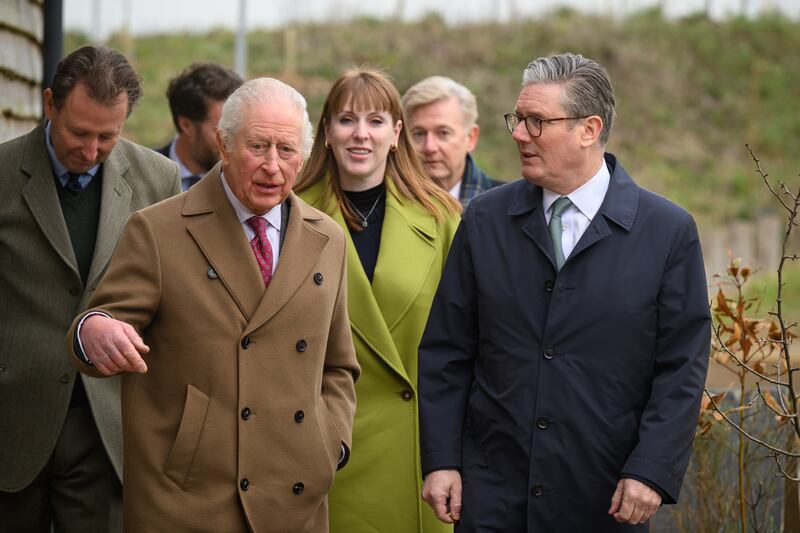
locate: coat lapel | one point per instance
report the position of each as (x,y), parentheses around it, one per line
(366,317)
(408,235)
(212,223)
(529,202)
(114,211)
(301,250)
(619,205)
(42,198)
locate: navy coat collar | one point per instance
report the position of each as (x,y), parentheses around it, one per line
(619,206)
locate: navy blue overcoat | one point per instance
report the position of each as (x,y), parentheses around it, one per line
(545,388)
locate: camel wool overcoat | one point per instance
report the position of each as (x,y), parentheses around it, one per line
(238,423)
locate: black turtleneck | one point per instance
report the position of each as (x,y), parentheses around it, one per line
(371,203)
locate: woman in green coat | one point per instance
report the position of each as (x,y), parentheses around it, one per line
(363,172)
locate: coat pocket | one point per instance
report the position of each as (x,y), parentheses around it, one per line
(179,461)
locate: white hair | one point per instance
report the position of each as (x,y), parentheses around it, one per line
(260,91)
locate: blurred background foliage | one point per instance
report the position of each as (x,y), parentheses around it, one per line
(690,91)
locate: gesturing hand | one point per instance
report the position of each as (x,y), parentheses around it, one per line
(112,346)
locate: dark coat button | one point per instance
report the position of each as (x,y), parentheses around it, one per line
(549,352)
(548,285)
(299,416)
(301,345)
(245,342)
(318,278)
(65,378)
(246,412)
(74,291)
(537,491)
(298,488)
(244,484)
(2,368)
(543,423)
(212,273)
(406,395)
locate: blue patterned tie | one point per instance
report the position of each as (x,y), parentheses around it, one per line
(556,229)
(72,182)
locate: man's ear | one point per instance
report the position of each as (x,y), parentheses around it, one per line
(223,152)
(472,137)
(49,103)
(592,128)
(184,124)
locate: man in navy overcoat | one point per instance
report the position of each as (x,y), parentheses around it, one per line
(563,362)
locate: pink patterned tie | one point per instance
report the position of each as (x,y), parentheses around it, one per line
(261,247)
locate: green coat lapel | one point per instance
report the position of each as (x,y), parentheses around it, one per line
(42,198)
(366,317)
(408,236)
(114,211)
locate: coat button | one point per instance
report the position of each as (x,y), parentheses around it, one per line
(301,345)
(549,352)
(245,342)
(64,378)
(2,368)
(74,291)
(298,488)
(543,423)
(246,412)
(406,395)
(244,484)
(212,273)
(537,490)
(548,285)
(299,416)
(318,278)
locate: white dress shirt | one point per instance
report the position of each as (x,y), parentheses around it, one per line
(273,218)
(586,201)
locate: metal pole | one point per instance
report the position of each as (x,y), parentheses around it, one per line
(240,50)
(53,45)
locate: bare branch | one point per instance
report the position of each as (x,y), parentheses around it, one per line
(761,395)
(745,433)
(766,181)
(783,472)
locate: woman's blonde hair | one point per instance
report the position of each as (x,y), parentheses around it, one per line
(365,89)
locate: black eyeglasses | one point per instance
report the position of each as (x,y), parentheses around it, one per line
(533,123)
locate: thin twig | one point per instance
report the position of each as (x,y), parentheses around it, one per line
(745,433)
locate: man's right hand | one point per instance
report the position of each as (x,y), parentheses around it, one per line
(112,346)
(442,491)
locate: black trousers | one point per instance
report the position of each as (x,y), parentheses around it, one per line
(77,491)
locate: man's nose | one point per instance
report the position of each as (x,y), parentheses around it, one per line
(270,163)
(520,133)
(89,150)
(429,145)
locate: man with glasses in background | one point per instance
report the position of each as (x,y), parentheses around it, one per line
(559,389)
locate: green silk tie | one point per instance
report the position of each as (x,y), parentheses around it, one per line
(556,228)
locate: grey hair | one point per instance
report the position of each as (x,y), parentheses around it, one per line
(260,91)
(588,89)
(437,88)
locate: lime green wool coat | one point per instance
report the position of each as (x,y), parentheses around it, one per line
(380,488)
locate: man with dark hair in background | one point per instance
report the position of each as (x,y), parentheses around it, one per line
(67,189)
(195,98)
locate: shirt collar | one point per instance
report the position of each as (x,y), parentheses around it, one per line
(273,216)
(58,169)
(588,197)
(173,154)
